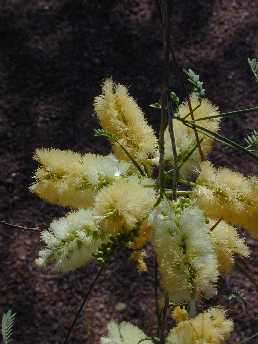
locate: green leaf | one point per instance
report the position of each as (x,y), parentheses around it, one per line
(174,99)
(107,134)
(155,105)
(194,79)
(8,320)
(252,142)
(253,63)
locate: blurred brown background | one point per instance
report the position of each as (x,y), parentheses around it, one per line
(53,57)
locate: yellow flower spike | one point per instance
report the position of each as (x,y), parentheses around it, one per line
(222,193)
(71,179)
(210,327)
(179,314)
(227,243)
(120,115)
(123,205)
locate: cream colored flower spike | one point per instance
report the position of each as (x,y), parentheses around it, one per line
(210,327)
(124,333)
(120,115)
(222,193)
(124,204)
(186,257)
(227,243)
(71,179)
(69,242)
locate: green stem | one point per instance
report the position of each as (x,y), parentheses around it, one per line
(219,138)
(164,320)
(185,158)
(195,130)
(156,285)
(186,182)
(173,144)
(132,159)
(228,114)
(192,308)
(179,192)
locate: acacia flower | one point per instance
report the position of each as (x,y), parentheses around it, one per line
(210,327)
(179,314)
(70,241)
(72,179)
(185,136)
(227,243)
(185,254)
(125,204)
(123,333)
(120,115)
(222,193)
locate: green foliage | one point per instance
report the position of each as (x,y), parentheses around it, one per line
(155,105)
(253,63)
(252,142)
(8,320)
(106,134)
(194,79)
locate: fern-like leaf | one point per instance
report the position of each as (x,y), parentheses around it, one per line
(8,320)
(253,63)
(197,84)
(252,142)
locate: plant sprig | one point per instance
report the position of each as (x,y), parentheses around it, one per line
(197,84)
(8,321)
(253,63)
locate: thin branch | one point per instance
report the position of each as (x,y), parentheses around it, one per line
(247,340)
(215,224)
(156,285)
(192,307)
(19,227)
(174,150)
(195,130)
(83,304)
(194,109)
(164,95)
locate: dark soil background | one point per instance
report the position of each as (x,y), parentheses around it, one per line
(53,57)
